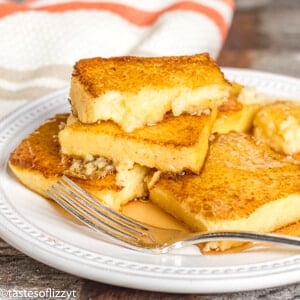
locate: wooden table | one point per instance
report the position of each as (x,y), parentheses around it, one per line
(264,37)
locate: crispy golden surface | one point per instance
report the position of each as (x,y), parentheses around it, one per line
(236,115)
(37,163)
(136,91)
(129,73)
(243,185)
(233,115)
(278,125)
(174,144)
(40,150)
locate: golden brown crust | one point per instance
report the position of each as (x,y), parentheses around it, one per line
(239,177)
(129,74)
(174,144)
(278,125)
(174,132)
(234,115)
(136,91)
(39,153)
(230,106)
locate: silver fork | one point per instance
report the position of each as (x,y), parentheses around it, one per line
(139,236)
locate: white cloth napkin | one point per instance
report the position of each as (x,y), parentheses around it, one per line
(41,40)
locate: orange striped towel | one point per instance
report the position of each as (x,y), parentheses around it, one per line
(42,39)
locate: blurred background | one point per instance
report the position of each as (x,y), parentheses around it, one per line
(265,35)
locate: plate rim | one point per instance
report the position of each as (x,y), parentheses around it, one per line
(188,282)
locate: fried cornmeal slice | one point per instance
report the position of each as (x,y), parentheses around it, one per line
(243,186)
(238,112)
(235,116)
(173,145)
(37,163)
(138,91)
(278,125)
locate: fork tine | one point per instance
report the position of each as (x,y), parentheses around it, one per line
(96,210)
(83,211)
(159,240)
(61,200)
(72,186)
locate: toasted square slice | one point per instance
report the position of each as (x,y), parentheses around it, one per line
(37,163)
(238,112)
(243,186)
(235,116)
(278,125)
(174,144)
(138,91)
(239,120)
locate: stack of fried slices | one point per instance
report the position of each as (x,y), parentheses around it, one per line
(169,128)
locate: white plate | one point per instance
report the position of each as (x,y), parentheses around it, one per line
(30,223)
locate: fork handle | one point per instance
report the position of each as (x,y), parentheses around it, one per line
(241,236)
